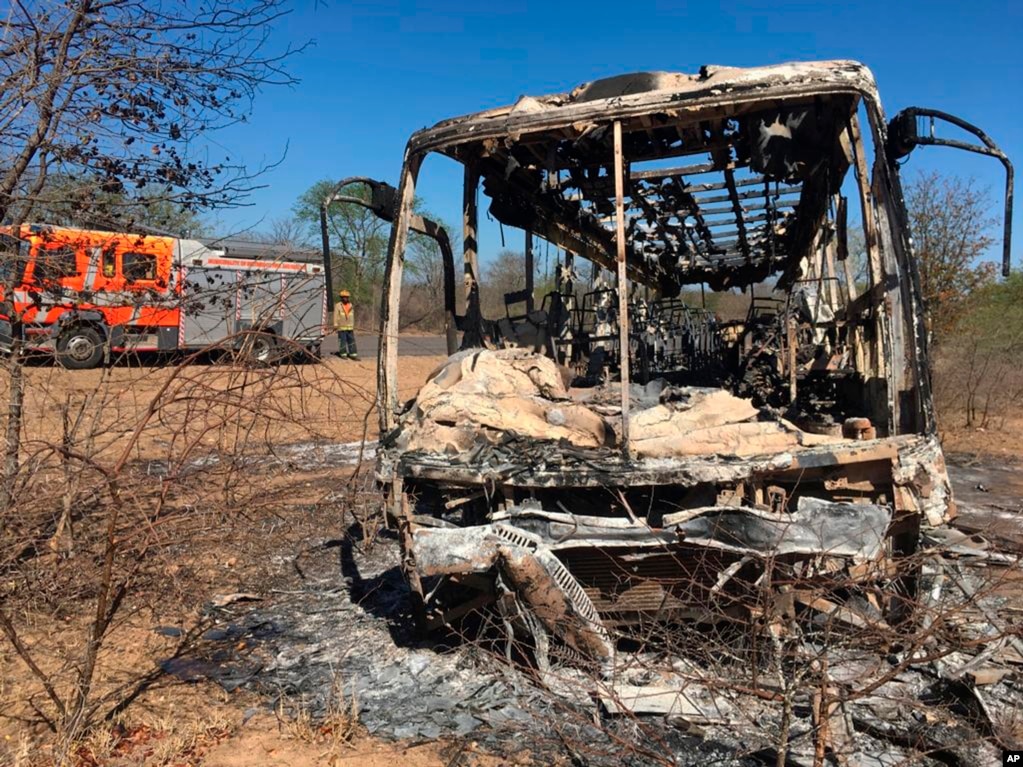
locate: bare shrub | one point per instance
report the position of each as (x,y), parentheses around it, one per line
(131,480)
(977,368)
(950,223)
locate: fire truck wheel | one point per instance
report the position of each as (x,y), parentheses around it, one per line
(259,347)
(80,348)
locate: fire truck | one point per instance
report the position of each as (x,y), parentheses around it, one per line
(87,295)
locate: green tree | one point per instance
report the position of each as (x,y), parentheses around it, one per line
(358,248)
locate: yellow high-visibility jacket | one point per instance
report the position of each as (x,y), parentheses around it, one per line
(344,320)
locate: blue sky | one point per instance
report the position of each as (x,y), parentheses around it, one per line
(380,70)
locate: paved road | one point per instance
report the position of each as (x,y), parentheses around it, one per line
(408,346)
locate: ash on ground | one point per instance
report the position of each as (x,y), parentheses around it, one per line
(344,624)
(337,631)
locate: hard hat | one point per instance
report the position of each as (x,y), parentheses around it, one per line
(344,294)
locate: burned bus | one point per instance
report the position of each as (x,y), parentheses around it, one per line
(618,453)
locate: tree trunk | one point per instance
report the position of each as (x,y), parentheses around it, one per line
(12,437)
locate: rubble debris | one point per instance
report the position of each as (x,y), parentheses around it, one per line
(223,600)
(539,578)
(768,489)
(484,394)
(301,640)
(815,527)
(688,702)
(538,546)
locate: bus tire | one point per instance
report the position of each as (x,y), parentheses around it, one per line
(80,348)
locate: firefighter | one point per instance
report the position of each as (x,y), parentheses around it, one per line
(344,324)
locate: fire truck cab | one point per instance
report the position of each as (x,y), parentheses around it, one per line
(84,295)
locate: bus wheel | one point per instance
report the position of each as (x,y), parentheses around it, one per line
(259,347)
(80,348)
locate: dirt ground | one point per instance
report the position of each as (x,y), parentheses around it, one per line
(999,440)
(263,741)
(332,400)
(145,415)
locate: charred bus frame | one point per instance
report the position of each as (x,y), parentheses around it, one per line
(586,171)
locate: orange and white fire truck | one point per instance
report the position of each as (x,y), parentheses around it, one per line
(85,295)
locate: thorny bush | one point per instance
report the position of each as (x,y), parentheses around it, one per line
(128,481)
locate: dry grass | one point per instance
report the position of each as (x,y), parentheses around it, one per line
(335,732)
(228,527)
(978,396)
(1002,439)
(336,398)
